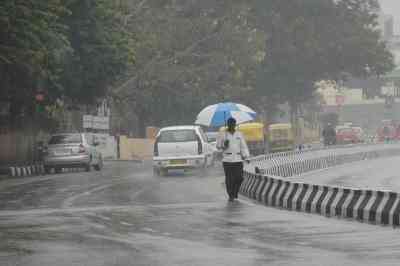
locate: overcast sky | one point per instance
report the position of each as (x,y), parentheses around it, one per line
(392,7)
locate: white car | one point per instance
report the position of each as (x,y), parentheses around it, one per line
(181,147)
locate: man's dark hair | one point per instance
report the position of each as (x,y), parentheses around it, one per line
(231,121)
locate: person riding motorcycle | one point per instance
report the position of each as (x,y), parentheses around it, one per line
(329,135)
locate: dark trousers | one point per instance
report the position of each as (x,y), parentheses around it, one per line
(233,178)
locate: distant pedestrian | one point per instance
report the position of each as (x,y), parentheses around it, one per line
(234,152)
(329,135)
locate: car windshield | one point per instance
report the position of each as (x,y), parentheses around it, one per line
(345,130)
(177,136)
(212,136)
(65,139)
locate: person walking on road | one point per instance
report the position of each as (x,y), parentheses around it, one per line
(234,152)
(329,135)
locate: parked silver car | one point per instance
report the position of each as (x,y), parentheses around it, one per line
(72,150)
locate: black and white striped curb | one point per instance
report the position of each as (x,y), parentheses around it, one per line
(29,170)
(34,170)
(295,163)
(379,207)
(265,181)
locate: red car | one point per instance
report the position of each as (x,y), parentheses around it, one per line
(346,135)
(386,133)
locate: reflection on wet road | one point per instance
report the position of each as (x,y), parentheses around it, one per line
(377,174)
(125,216)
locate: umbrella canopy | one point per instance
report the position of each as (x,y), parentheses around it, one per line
(216,115)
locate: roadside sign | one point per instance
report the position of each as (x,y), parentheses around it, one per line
(96,122)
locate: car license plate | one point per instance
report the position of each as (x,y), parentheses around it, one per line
(62,152)
(175,162)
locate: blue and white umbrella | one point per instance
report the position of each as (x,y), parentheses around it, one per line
(216,115)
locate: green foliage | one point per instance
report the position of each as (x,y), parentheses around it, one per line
(190,54)
(70,48)
(165,60)
(32,44)
(102,49)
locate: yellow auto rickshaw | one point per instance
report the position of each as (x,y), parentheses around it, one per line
(254,135)
(280,137)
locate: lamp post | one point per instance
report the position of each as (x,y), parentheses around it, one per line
(39,108)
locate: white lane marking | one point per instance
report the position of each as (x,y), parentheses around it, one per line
(125,223)
(103,217)
(147,229)
(113,208)
(69,201)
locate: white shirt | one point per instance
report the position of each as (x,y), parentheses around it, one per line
(237,150)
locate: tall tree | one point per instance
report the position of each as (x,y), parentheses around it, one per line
(102,46)
(190,54)
(32,45)
(69,48)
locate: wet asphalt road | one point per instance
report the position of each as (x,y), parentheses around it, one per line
(125,216)
(377,174)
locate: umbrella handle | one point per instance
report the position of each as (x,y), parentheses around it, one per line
(225,118)
(226,128)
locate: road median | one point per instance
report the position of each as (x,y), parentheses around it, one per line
(267,180)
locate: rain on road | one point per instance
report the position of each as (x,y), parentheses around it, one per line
(377,174)
(125,216)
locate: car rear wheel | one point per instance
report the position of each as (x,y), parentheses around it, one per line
(47,170)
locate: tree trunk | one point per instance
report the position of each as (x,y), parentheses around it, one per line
(141,125)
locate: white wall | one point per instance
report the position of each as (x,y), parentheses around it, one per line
(107,146)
